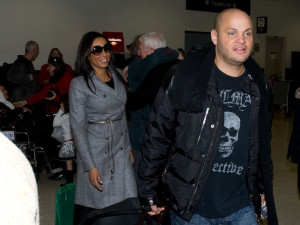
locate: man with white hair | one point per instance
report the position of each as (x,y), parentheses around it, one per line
(145,76)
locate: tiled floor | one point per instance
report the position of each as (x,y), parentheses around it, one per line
(285,183)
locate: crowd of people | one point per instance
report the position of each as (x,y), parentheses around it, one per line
(184,134)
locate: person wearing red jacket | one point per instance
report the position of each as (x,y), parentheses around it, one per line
(44,77)
(58,85)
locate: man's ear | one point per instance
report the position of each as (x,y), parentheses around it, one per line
(152,50)
(214,36)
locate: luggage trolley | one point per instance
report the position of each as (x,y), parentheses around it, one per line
(29,149)
(32,152)
(23,142)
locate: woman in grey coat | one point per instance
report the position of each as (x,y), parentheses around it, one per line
(98,120)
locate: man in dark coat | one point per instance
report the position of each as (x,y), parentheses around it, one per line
(209,132)
(145,76)
(294,145)
(22,73)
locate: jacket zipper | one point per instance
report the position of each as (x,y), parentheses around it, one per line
(203,123)
(251,116)
(204,161)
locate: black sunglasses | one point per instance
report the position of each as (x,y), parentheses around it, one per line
(97,50)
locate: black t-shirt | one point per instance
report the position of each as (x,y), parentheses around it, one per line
(226,190)
(111,83)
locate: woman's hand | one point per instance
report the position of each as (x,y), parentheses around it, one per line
(20,104)
(53,96)
(95,178)
(131,157)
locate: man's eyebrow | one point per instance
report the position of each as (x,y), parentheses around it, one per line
(235,29)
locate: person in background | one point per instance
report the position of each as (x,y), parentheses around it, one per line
(59,84)
(18,118)
(22,73)
(18,190)
(181,52)
(209,132)
(294,144)
(44,76)
(145,76)
(62,119)
(133,51)
(98,120)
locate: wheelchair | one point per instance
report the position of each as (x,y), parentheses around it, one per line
(36,155)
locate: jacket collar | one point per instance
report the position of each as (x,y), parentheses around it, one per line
(193,77)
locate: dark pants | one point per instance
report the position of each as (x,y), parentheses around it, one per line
(127,212)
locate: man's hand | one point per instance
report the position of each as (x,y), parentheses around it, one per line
(156,210)
(20,104)
(125,72)
(95,178)
(30,76)
(131,157)
(263,199)
(25,109)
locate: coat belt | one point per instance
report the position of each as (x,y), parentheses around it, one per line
(111,161)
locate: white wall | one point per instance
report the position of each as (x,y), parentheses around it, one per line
(61,23)
(283,21)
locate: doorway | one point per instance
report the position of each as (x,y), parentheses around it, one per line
(195,38)
(275,57)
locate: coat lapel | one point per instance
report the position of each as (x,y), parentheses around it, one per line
(118,92)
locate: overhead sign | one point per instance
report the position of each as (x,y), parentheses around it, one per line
(116,39)
(217,5)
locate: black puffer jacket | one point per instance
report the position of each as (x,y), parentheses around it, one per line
(183,135)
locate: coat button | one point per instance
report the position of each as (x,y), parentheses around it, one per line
(122,148)
(104,96)
(212,126)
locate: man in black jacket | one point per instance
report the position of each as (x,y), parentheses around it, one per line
(22,73)
(209,132)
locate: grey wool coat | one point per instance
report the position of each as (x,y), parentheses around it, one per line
(99,126)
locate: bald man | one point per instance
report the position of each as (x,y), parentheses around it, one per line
(208,137)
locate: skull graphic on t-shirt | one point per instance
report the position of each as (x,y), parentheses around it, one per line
(230,133)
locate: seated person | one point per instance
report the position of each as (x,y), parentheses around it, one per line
(44,77)
(20,118)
